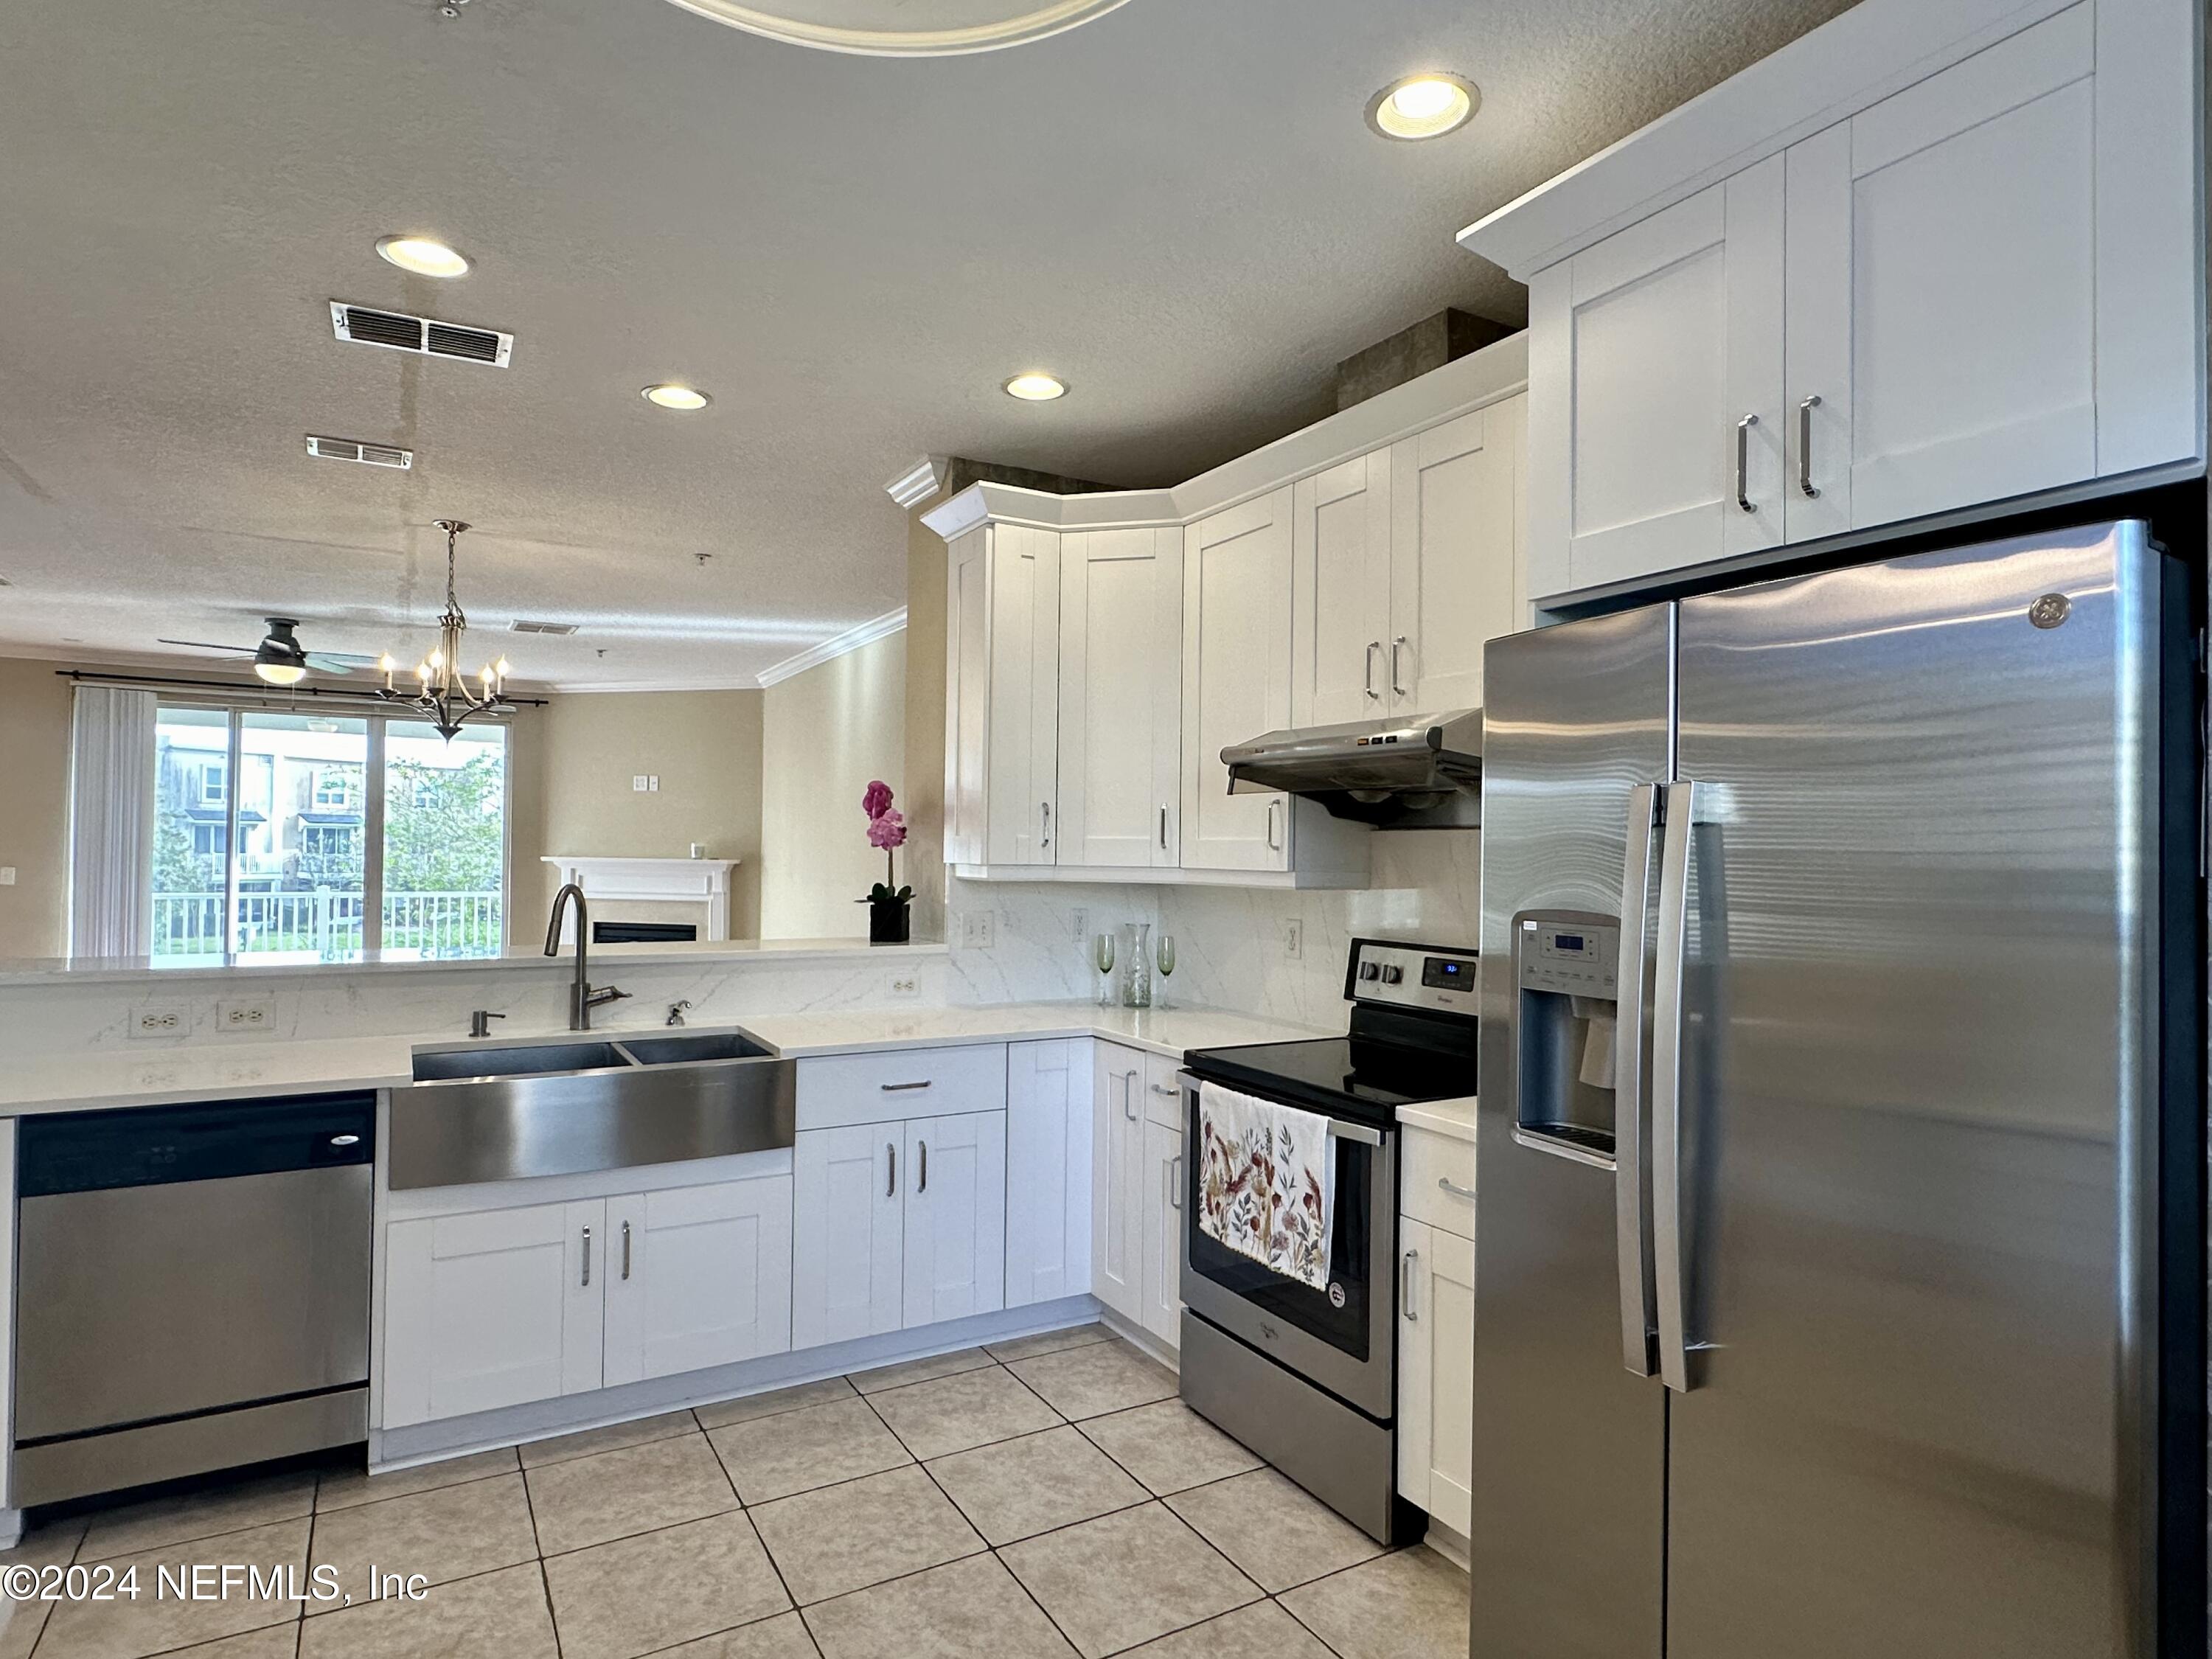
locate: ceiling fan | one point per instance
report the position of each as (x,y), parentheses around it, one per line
(280,659)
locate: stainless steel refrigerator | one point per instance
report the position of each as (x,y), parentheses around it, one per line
(1839,1245)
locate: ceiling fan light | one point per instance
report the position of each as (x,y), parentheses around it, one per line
(280,672)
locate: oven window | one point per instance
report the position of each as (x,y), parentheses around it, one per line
(1351,1237)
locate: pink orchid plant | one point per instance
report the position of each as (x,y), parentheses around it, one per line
(887,832)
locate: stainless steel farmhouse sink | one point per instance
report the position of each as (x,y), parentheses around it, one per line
(527,1109)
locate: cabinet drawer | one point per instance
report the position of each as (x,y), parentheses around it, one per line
(1429,1160)
(889,1087)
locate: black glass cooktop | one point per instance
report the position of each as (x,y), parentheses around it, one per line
(1335,1073)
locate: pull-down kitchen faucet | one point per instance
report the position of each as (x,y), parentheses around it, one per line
(583,997)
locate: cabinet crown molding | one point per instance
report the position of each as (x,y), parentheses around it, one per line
(1467,383)
(1824,76)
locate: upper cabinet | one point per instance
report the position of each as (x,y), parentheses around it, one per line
(1980,280)
(1001,697)
(1120,698)
(1103,650)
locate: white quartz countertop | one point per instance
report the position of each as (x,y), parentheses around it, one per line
(48,970)
(1454,1118)
(228,1070)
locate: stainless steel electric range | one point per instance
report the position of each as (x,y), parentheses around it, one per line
(1307,1376)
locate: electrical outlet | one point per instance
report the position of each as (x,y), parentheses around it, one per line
(637,782)
(1078,924)
(975,931)
(241,1015)
(905,985)
(1294,938)
(166,1020)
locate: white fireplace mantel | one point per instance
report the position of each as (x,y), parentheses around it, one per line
(658,881)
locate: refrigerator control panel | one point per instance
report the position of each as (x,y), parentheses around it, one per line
(1570,958)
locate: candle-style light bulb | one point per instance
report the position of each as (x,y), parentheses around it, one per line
(501,671)
(422,672)
(438,658)
(386,665)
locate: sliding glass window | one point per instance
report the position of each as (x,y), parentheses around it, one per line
(318,835)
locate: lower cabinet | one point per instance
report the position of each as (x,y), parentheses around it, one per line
(1436,1371)
(1048,1157)
(497,1307)
(1136,1224)
(897,1224)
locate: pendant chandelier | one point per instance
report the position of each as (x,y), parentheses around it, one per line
(442,694)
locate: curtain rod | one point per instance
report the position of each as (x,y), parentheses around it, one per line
(230,688)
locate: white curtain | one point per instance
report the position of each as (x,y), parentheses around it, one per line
(111,807)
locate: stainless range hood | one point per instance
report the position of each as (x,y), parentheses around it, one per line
(1425,773)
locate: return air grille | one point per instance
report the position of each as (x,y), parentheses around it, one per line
(521,626)
(351,449)
(424,336)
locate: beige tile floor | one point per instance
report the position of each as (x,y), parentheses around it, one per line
(1036,1499)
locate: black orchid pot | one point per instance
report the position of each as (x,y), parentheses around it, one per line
(889,920)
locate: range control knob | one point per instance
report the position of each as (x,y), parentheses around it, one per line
(1392,973)
(1370,970)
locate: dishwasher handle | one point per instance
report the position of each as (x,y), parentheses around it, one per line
(207,1140)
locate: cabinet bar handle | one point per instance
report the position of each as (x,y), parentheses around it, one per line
(625,1252)
(1175,1182)
(587,1255)
(1406,1285)
(901,1088)
(1129,1096)
(922,1185)
(1396,678)
(1367,679)
(1467,1193)
(891,1181)
(1164,829)
(1805,445)
(1274,838)
(1045,808)
(1743,462)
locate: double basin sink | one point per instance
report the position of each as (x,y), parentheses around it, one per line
(520,1111)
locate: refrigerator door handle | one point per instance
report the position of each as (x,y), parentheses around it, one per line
(1631,1129)
(1678,802)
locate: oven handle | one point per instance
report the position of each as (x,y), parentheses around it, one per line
(1342,1128)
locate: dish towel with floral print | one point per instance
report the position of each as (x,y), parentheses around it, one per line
(1267,1182)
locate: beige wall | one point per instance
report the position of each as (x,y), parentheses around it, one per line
(825,734)
(34,759)
(573,761)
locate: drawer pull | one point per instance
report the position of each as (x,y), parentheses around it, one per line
(1467,1193)
(1163,1089)
(901,1088)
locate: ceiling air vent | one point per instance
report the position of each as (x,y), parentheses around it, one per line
(521,626)
(423,335)
(351,449)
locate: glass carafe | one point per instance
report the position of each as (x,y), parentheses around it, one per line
(1136,954)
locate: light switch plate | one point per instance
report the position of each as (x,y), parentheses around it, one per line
(639,782)
(7,875)
(975,930)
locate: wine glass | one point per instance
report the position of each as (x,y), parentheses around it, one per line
(1164,958)
(1102,958)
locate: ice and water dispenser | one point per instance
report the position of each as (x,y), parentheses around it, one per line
(1565,965)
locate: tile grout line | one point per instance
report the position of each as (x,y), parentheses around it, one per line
(545,1579)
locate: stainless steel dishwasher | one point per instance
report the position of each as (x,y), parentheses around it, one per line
(191,1288)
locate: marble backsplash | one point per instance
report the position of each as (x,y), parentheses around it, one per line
(1229,941)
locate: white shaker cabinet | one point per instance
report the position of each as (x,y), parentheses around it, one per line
(956,1217)
(1235,679)
(1655,377)
(1002,688)
(492,1307)
(1436,1371)
(1340,607)
(1163,1195)
(848,1266)
(1049,1170)
(1456,552)
(1120,697)
(697,1276)
(1117,1151)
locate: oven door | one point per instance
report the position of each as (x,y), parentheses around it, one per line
(1344,1339)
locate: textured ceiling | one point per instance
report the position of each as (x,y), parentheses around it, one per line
(1177,207)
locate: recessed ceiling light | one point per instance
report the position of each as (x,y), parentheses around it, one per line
(1036,388)
(423,256)
(1423,106)
(670,395)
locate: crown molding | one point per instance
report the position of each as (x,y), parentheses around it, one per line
(924,478)
(838,645)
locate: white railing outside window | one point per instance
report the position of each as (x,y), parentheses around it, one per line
(328,923)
